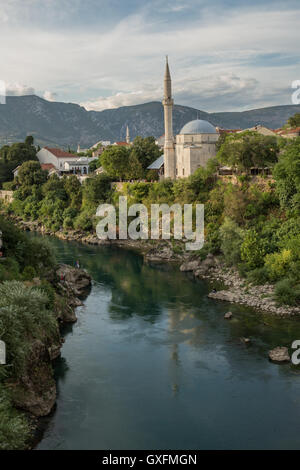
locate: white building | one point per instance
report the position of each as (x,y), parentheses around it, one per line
(64,162)
(192,147)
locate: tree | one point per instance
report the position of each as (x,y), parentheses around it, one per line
(145,151)
(294,121)
(74,190)
(96,189)
(287,176)
(248,149)
(31,173)
(115,161)
(14,155)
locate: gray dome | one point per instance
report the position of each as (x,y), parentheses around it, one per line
(198,127)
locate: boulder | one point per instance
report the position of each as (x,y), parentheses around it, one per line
(188,266)
(245,340)
(77,280)
(228,315)
(279,354)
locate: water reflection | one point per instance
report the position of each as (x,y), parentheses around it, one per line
(152,364)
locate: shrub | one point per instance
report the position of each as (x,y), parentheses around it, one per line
(253,250)
(287,293)
(231,239)
(15,429)
(28,273)
(278,264)
(258,276)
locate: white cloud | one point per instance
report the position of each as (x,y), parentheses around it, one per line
(49,96)
(213,58)
(17,89)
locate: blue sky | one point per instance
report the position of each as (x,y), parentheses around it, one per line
(224,55)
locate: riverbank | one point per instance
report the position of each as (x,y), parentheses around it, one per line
(31,388)
(236,289)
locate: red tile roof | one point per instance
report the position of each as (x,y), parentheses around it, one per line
(121,143)
(60,153)
(47,166)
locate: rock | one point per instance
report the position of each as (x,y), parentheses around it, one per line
(279,354)
(228,315)
(189,266)
(35,390)
(77,280)
(245,340)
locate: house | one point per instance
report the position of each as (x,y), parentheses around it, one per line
(263,130)
(64,162)
(121,144)
(289,133)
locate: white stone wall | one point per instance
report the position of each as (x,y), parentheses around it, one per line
(193,151)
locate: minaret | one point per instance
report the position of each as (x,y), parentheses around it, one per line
(169,148)
(127,135)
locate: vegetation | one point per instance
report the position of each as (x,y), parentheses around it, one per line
(25,315)
(13,156)
(127,163)
(252,222)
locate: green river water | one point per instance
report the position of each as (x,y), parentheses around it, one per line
(152,364)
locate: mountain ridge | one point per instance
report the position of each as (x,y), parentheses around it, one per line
(69,124)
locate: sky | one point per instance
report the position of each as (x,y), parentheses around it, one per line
(224,55)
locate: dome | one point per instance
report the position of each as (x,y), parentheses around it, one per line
(198,127)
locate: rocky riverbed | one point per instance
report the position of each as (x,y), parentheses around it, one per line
(236,289)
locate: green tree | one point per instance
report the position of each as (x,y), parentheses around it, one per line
(30,173)
(115,161)
(294,121)
(287,176)
(145,151)
(248,149)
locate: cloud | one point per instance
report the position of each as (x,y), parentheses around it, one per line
(49,96)
(17,89)
(223,55)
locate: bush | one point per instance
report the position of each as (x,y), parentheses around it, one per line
(15,429)
(28,273)
(287,293)
(253,250)
(278,264)
(258,276)
(231,239)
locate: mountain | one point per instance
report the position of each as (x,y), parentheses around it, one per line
(67,124)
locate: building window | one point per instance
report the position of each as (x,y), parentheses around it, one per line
(182,171)
(176,171)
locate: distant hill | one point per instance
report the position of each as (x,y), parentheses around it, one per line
(67,124)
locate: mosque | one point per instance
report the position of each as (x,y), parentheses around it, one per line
(192,147)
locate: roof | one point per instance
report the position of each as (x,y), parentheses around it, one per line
(295,130)
(121,143)
(78,163)
(198,127)
(60,153)
(157,164)
(47,166)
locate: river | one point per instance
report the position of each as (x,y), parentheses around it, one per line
(152,364)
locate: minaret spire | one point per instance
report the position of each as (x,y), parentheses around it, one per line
(127,135)
(169,148)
